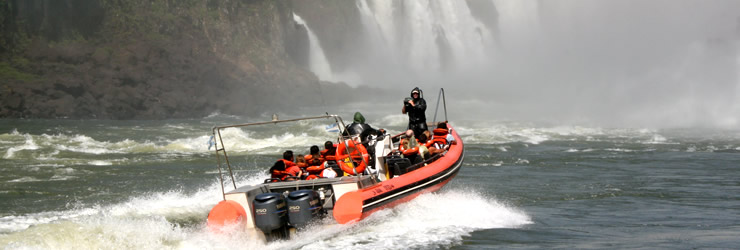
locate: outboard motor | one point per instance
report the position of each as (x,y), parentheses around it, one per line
(269,212)
(303,206)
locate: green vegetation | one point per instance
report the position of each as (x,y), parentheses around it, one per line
(144,58)
(8,71)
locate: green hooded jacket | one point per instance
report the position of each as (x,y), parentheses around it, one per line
(359,118)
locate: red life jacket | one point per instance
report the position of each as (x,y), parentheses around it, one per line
(284,173)
(439,140)
(408,151)
(313,160)
(329,156)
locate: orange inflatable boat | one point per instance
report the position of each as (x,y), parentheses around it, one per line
(362,177)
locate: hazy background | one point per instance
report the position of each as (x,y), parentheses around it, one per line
(605,63)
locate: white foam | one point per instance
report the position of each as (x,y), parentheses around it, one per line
(174,203)
(25,179)
(46,149)
(397,120)
(57,177)
(530,134)
(487,164)
(100,163)
(218,114)
(432,219)
(145,222)
(29,144)
(16,223)
(657,139)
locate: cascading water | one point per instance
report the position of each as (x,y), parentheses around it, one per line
(593,62)
(416,41)
(317,59)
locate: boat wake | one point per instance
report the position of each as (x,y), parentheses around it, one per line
(177,220)
(432,219)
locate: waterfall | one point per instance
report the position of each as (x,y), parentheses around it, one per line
(318,63)
(421,40)
(552,60)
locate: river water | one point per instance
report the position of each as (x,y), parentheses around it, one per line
(82,184)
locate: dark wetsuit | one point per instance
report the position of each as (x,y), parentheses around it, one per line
(359,127)
(363,130)
(417,117)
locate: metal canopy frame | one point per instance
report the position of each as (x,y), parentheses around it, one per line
(222,149)
(339,121)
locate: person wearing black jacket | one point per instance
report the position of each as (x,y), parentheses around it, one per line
(362,129)
(415,107)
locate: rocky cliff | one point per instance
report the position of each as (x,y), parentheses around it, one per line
(141,59)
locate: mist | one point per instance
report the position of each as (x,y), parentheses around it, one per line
(662,64)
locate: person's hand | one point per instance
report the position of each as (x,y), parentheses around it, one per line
(411,102)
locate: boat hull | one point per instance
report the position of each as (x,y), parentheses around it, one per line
(359,204)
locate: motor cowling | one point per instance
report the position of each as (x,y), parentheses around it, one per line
(303,206)
(270,212)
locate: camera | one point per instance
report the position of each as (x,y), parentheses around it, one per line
(407,100)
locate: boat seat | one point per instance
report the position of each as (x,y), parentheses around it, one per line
(398,166)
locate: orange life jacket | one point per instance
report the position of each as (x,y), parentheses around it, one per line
(329,156)
(408,151)
(313,160)
(440,138)
(285,173)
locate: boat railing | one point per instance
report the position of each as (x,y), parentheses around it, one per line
(440,97)
(217,141)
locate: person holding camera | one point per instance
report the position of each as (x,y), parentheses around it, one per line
(415,106)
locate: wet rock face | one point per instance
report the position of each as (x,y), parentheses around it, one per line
(144,60)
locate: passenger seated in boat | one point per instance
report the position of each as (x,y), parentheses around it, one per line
(409,147)
(423,150)
(315,166)
(284,168)
(277,171)
(428,134)
(300,162)
(329,151)
(314,156)
(440,141)
(328,173)
(330,159)
(448,136)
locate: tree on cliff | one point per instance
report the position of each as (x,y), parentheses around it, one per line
(142,59)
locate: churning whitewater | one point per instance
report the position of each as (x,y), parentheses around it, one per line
(128,216)
(83,184)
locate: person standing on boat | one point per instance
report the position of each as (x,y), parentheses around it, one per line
(362,129)
(415,107)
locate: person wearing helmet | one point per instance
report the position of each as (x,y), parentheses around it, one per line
(415,107)
(364,131)
(361,129)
